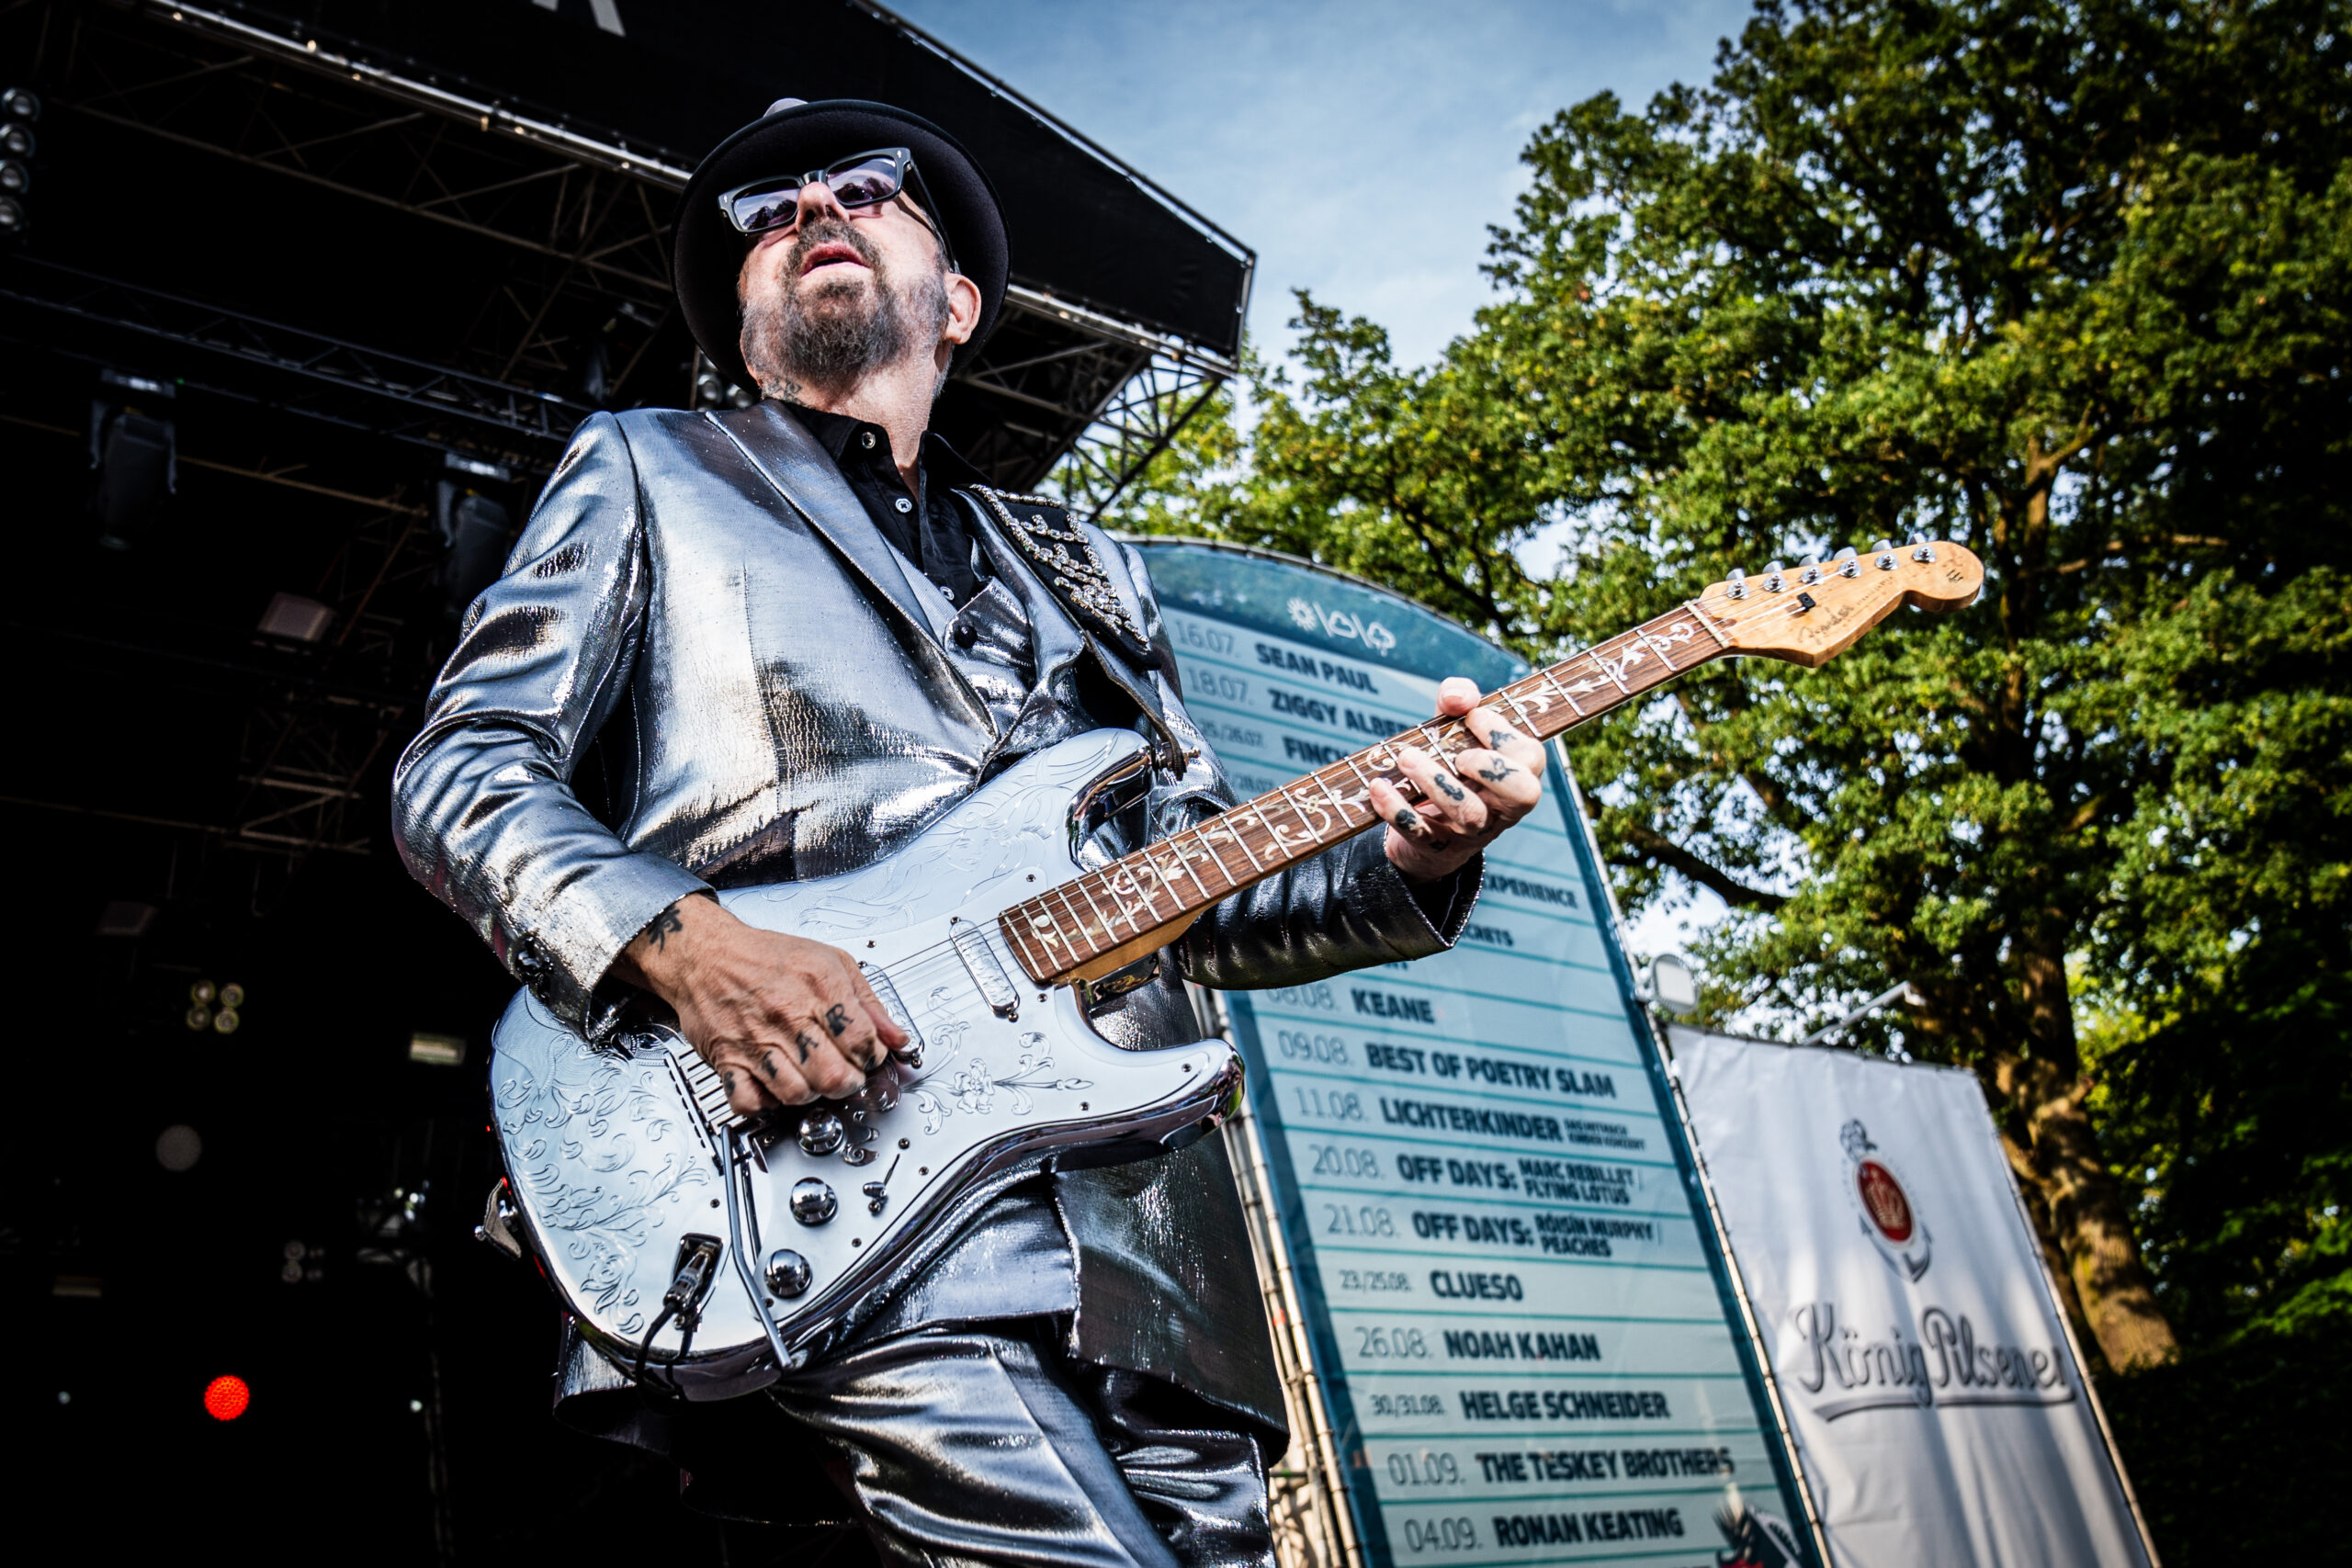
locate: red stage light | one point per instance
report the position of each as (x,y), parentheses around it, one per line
(225,1399)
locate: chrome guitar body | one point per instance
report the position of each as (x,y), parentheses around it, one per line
(710,1254)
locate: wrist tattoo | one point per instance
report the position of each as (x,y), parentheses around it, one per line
(837,1020)
(662,925)
(1446,786)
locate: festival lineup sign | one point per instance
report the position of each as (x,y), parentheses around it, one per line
(1527,1350)
(1940,1415)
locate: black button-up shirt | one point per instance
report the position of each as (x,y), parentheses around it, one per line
(928,527)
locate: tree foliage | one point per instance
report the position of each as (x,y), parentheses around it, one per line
(2071,284)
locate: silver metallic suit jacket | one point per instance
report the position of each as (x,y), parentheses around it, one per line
(701,598)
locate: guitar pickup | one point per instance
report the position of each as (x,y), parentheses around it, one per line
(971,945)
(887,995)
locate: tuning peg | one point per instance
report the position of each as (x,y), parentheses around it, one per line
(1847,565)
(1812,572)
(1923,550)
(1772,580)
(1885,550)
(1736,584)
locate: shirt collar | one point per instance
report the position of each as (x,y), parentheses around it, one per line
(941,461)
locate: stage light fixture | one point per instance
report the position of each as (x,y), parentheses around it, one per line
(437,1050)
(226,1398)
(202,992)
(475,530)
(1672,985)
(135,454)
(125,917)
(295,618)
(18,109)
(178,1148)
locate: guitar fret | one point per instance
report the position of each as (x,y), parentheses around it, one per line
(1338,807)
(1241,837)
(1708,622)
(1147,857)
(1014,925)
(1664,657)
(1609,670)
(1110,937)
(1553,681)
(1078,923)
(1313,832)
(1232,882)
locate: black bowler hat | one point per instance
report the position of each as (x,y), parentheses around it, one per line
(791,138)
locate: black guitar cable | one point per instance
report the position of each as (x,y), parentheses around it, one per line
(697,1258)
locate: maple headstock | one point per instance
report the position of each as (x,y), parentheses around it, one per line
(1810,612)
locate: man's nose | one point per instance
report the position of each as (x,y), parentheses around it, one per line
(817,201)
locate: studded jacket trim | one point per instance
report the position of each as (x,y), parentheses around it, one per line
(1066,562)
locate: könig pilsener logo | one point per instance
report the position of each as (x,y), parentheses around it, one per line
(1888,1217)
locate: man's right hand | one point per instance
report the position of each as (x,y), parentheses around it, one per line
(783,1019)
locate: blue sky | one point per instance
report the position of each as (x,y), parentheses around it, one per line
(1361,146)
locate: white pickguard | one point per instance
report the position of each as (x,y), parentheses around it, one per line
(611,1164)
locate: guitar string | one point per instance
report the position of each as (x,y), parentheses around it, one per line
(917,969)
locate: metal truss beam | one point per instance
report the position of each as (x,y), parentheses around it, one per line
(437,394)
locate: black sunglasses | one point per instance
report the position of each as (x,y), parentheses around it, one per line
(862,179)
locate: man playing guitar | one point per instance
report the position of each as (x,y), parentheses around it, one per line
(763,645)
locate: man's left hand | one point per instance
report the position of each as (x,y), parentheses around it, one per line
(1466,805)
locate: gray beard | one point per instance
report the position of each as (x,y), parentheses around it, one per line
(829,338)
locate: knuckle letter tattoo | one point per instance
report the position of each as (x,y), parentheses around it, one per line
(806,1041)
(837,1020)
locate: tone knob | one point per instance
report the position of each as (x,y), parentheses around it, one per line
(820,1132)
(788,1272)
(813,1202)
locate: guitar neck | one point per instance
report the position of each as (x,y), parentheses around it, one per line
(1125,909)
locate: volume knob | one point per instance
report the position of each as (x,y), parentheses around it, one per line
(820,1134)
(813,1202)
(788,1272)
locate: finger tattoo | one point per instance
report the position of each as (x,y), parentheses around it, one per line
(806,1041)
(837,1020)
(1494,739)
(1408,820)
(768,1066)
(1496,771)
(1446,786)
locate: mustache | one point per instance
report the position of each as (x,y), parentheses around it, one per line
(831,231)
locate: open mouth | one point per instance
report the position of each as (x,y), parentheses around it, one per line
(831,253)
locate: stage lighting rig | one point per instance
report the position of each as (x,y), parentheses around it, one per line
(218,1009)
(135,454)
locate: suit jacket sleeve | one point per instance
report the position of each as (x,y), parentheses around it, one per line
(482,804)
(1346,909)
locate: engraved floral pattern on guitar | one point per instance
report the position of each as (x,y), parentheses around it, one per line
(972,1089)
(596,1109)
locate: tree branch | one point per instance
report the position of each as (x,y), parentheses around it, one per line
(1656,846)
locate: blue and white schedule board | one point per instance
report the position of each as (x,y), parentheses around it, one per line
(1529,1354)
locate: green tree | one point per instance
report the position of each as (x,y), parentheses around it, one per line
(2071,284)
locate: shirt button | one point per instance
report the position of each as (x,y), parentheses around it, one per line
(866,439)
(903,504)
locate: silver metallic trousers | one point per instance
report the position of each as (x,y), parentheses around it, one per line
(989,1445)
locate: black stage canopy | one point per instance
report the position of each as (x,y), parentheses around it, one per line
(668,80)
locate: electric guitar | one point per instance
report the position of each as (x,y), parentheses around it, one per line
(709,1254)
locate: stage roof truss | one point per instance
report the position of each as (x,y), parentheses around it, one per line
(1061,390)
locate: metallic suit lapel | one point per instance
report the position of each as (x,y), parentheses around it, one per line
(805,474)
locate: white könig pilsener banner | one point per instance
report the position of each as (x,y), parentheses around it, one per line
(1940,1415)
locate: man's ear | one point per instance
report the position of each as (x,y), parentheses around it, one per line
(963,309)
